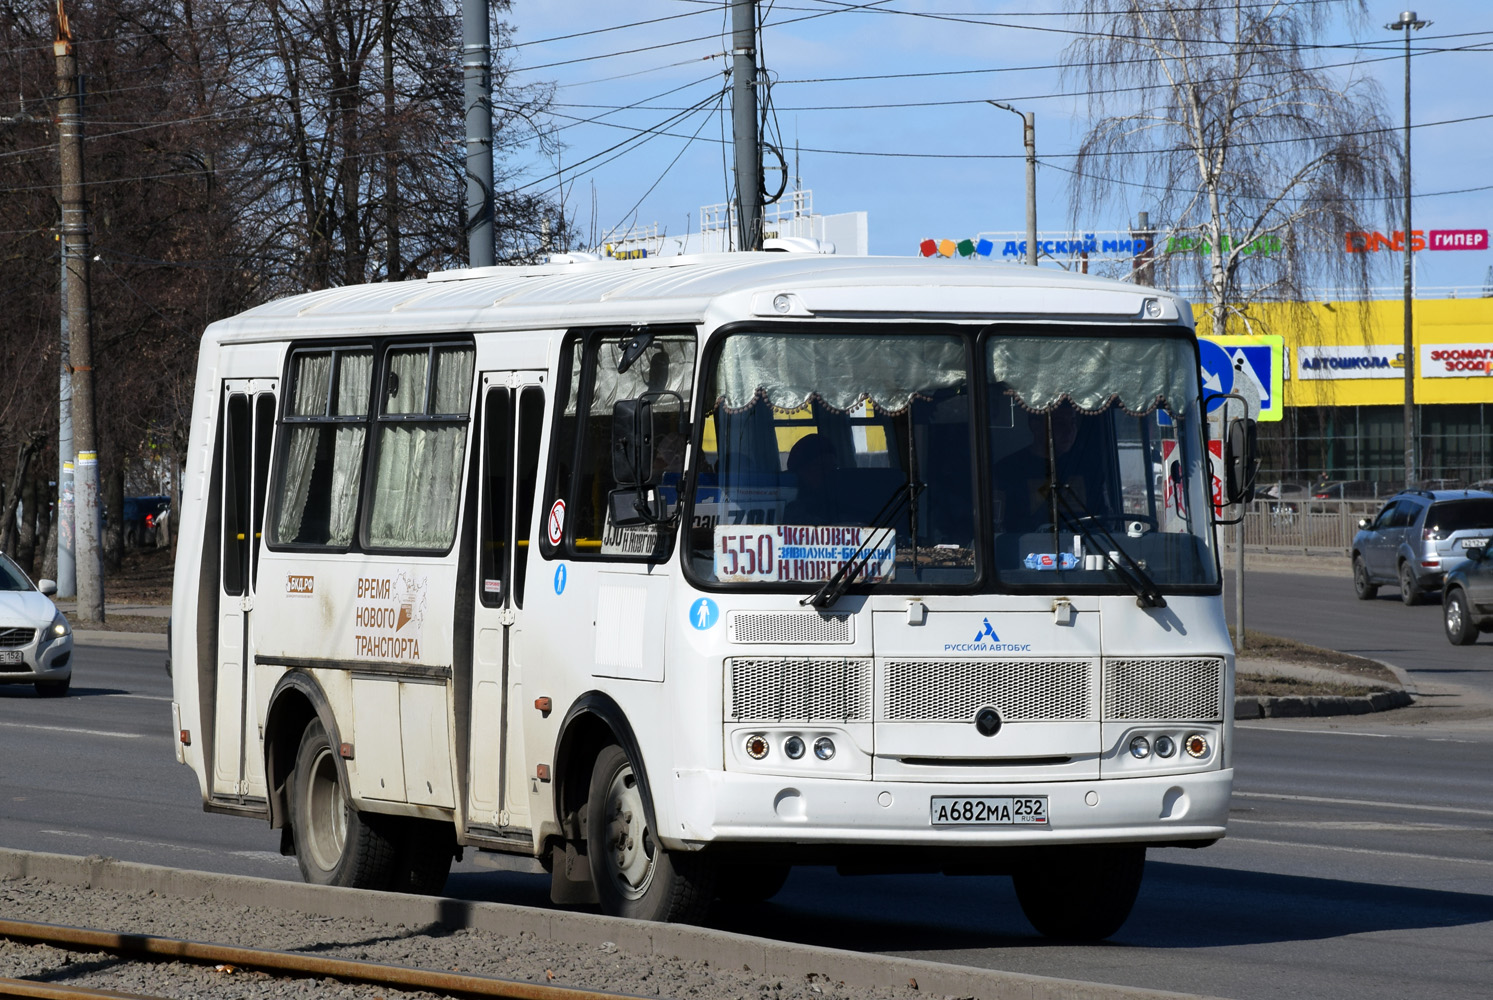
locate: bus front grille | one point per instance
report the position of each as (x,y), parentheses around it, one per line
(1020,690)
(798,690)
(1163,689)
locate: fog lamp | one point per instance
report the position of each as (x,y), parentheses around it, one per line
(1140,748)
(824,748)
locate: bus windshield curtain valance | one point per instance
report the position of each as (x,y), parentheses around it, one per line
(842,372)
(1093,373)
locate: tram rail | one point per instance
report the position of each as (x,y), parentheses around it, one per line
(149,948)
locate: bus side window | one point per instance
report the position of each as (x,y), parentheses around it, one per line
(320,461)
(665,367)
(422,435)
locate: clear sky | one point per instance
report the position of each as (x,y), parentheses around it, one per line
(886,106)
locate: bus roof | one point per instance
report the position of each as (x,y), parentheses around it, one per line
(682,289)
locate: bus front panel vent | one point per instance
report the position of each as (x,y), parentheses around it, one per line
(1020,690)
(1163,689)
(762,689)
(788,627)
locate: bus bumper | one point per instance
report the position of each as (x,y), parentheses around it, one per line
(718,806)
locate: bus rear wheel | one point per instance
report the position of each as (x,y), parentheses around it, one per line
(335,844)
(1081,893)
(634,875)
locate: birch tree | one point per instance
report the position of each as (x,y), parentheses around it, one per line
(1225,118)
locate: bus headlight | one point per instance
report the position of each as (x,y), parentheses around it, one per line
(1165,746)
(824,748)
(793,747)
(1140,748)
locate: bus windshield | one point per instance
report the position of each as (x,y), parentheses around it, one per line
(864,445)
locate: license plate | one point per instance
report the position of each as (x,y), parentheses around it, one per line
(10,656)
(1024,810)
(1474,543)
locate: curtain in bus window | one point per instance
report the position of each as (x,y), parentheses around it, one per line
(323,461)
(355,377)
(312,375)
(802,367)
(417,483)
(1136,374)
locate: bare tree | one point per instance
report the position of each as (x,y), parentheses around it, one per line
(1259,157)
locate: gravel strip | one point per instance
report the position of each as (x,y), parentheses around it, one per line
(522,957)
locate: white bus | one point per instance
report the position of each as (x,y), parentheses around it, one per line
(668,575)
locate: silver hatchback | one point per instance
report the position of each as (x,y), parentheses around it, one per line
(1416,539)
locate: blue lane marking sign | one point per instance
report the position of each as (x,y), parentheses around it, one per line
(560,579)
(703,614)
(1251,365)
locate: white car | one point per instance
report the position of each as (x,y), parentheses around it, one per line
(36,642)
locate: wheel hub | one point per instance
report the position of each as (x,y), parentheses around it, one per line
(629,844)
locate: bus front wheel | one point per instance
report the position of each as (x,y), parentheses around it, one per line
(335,844)
(1081,893)
(633,873)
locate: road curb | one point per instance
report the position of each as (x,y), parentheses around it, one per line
(723,949)
(119,640)
(1296,706)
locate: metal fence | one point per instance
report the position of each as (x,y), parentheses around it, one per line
(1305,526)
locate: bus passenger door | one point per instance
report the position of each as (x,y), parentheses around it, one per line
(248,425)
(512,421)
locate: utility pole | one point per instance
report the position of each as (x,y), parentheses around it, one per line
(62,527)
(90,566)
(744,124)
(476,68)
(1029,139)
(1407,23)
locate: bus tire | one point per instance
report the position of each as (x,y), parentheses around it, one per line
(335,844)
(750,881)
(1081,893)
(634,875)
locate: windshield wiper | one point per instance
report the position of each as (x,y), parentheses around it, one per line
(1080,519)
(834,588)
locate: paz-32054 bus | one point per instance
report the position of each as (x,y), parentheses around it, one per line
(668,575)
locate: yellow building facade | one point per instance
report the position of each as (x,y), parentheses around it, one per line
(1344,387)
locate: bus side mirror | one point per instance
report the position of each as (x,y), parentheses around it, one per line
(1241,460)
(632,442)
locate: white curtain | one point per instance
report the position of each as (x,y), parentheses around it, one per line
(313,381)
(1137,374)
(417,485)
(843,372)
(355,377)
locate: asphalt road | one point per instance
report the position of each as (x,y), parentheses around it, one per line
(1453,681)
(1359,863)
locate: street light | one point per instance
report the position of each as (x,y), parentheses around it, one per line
(1029,137)
(1407,23)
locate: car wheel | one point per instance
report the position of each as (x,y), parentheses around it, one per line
(633,873)
(335,844)
(53,689)
(1081,893)
(1456,616)
(1409,590)
(1364,590)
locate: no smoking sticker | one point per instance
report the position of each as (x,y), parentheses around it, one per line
(556,523)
